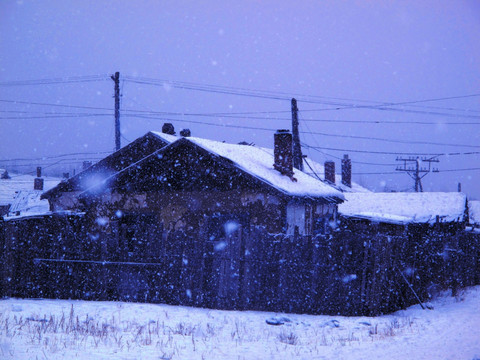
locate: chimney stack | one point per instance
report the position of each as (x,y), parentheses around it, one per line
(86,165)
(38,181)
(283,152)
(346,171)
(168,128)
(330,171)
(5,175)
(185,133)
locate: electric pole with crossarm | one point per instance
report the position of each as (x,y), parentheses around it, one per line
(412,166)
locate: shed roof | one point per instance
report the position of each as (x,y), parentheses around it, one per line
(405,208)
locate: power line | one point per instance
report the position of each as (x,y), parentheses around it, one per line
(467,169)
(393,122)
(385,106)
(197,122)
(345,103)
(393,140)
(313,133)
(240,91)
(62,161)
(44,117)
(398,173)
(54,105)
(50,81)
(52,115)
(57,156)
(390,152)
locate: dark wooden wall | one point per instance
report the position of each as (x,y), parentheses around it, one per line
(368,270)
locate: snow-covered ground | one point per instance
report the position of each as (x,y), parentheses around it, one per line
(66,329)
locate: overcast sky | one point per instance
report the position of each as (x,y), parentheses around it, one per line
(345,62)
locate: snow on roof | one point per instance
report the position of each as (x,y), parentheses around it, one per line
(17,182)
(310,167)
(474,211)
(27,202)
(258,162)
(315,169)
(404,208)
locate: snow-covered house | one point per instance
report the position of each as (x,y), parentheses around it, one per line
(18,195)
(401,208)
(186,220)
(176,180)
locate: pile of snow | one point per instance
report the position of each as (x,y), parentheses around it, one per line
(67,329)
(404,208)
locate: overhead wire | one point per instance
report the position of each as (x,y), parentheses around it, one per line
(386,106)
(264,94)
(394,152)
(58,80)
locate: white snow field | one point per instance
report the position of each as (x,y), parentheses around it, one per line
(67,329)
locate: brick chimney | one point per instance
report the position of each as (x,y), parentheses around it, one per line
(346,171)
(38,181)
(168,128)
(330,171)
(283,152)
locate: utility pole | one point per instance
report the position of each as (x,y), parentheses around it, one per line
(116,79)
(416,171)
(297,149)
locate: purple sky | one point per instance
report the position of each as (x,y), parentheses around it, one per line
(331,55)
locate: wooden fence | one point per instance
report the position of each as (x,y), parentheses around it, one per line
(357,270)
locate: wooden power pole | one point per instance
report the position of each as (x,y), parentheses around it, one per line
(116,79)
(297,148)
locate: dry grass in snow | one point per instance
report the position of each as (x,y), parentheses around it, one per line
(57,329)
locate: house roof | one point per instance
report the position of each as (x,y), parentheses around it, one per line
(21,182)
(27,202)
(310,167)
(258,162)
(315,169)
(255,161)
(111,164)
(404,208)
